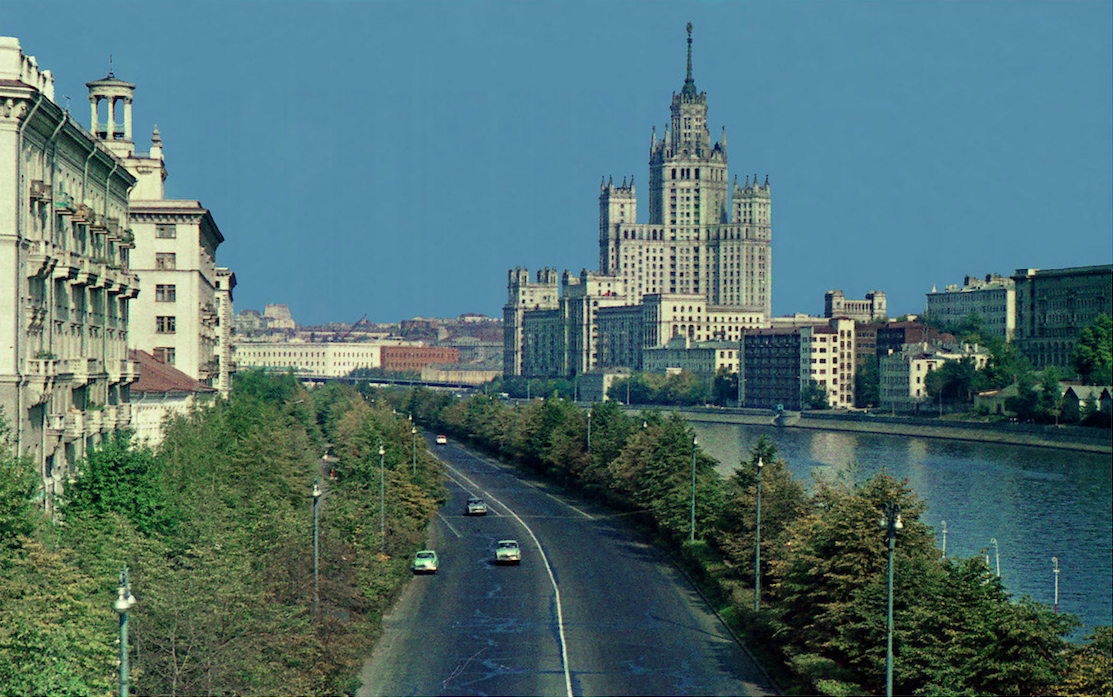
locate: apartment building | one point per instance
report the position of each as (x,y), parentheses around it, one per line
(778,363)
(176,318)
(416,358)
(1054,305)
(65,300)
(993,298)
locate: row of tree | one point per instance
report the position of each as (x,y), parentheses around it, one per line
(216,527)
(823,556)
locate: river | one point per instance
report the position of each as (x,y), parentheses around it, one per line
(1038,503)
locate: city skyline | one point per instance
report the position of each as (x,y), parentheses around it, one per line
(394,159)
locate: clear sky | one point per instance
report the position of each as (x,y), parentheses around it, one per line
(395,159)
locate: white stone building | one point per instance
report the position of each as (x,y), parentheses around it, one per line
(334,359)
(701,267)
(161,392)
(65,282)
(175,318)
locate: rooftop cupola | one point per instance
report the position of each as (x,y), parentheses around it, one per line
(112,90)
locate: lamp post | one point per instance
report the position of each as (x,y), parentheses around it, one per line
(1055,569)
(757,543)
(316,551)
(891,523)
(124,602)
(695,443)
(382,501)
(589,431)
(413,435)
(944,539)
(996,554)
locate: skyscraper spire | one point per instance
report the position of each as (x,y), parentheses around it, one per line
(689,84)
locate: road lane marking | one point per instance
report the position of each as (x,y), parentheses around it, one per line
(548,568)
(445,521)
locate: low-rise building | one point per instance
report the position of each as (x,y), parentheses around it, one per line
(162,392)
(416,357)
(701,357)
(335,359)
(902,375)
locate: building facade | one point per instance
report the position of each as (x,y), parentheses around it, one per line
(992,298)
(160,393)
(700,268)
(66,285)
(176,318)
(872,309)
(416,358)
(331,359)
(902,375)
(779,362)
(1054,305)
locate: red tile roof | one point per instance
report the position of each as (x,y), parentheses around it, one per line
(156,376)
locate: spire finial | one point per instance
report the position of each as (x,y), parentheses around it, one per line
(110,73)
(689,84)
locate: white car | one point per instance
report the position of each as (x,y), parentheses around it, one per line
(477,507)
(425,562)
(442,440)
(507,552)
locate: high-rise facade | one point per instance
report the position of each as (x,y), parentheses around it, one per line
(700,268)
(65,283)
(176,318)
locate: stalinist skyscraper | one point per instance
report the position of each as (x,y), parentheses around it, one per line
(698,270)
(698,240)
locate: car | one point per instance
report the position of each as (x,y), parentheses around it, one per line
(425,562)
(442,440)
(477,507)
(507,552)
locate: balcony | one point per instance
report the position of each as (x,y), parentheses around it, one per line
(73,425)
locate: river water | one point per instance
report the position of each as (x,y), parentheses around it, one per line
(1038,503)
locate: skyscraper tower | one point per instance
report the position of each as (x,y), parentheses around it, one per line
(703,237)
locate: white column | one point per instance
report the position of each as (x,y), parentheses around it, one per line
(127,120)
(93,102)
(111,134)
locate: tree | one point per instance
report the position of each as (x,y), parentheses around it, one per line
(1093,354)
(813,396)
(725,388)
(867,385)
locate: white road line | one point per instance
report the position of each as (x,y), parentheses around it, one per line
(548,568)
(445,521)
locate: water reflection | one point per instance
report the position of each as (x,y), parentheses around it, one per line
(1037,503)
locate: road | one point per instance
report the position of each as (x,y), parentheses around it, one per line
(591,610)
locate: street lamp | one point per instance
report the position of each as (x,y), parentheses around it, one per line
(124,602)
(695,443)
(944,539)
(589,431)
(316,551)
(413,435)
(382,501)
(891,523)
(757,543)
(1055,568)
(996,555)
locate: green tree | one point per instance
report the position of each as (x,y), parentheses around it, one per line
(813,396)
(867,385)
(1093,354)
(725,388)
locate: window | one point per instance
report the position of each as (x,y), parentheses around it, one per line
(165,354)
(166,293)
(166,261)
(165,324)
(166,232)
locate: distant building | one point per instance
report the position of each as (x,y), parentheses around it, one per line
(778,364)
(871,309)
(993,299)
(699,357)
(278,316)
(700,268)
(892,336)
(902,375)
(333,359)
(415,358)
(1054,305)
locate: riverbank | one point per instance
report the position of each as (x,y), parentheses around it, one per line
(1076,438)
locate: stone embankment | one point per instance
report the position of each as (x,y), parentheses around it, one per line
(1094,440)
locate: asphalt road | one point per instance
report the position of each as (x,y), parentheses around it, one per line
(591,610)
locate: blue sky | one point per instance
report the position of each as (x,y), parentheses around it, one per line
(397,158)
